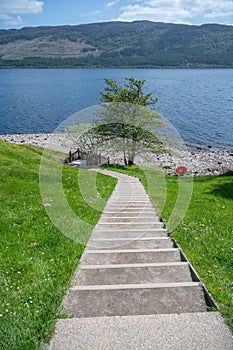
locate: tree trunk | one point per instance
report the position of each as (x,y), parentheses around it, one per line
(130,162)
(132,153)
(125,159)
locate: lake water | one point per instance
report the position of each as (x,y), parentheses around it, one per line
(198,102)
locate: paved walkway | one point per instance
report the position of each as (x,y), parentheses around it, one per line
(133,288)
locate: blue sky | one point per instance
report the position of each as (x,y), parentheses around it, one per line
(21,13)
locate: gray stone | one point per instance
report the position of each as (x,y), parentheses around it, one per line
(128,225)
(145,243)
(190,331)
(131,219)
(129,213)
(160,232)
(129,205)
(132,273)
(130,256)
(134,299)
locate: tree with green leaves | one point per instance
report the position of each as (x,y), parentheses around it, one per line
(128,120)
(130,92)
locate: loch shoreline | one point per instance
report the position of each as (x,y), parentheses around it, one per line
(200,161)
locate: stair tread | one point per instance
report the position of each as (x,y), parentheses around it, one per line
(109,251)
(116,266)
(136,286)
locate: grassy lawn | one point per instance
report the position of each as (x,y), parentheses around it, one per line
(36,260)
(205,234)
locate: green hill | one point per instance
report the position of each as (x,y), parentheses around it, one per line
(118,44)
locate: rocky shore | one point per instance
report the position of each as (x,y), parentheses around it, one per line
(54,141)
(198,161)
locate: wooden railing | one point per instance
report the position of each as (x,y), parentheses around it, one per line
(88,159)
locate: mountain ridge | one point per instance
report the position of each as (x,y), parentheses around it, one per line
(138,44)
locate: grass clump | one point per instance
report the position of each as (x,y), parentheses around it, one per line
(37,260)
(205,233)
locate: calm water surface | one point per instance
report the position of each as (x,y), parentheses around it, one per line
(198,102)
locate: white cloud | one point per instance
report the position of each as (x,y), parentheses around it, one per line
(91,14)
(17,7)
(11,20)
(112,3)
(11,10)
(178,11)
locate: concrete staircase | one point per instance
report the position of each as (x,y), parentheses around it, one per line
(130,268)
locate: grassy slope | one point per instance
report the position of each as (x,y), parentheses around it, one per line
(206,237)
(205,234)
(37,261)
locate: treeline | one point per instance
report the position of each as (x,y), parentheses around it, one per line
(91,62)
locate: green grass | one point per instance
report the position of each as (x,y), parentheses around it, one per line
(205,234)
(36,260)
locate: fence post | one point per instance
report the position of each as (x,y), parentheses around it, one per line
(70,157)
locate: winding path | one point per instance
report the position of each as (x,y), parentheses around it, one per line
(134,289)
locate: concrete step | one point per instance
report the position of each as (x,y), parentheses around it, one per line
(130,205)
(132,274)
(129,197)
(130,219)
(135,233)
(125,193)
(127,243)
(129,200)
(127,186)
(128,225)
(130,209)
(134,299)
(130,256)
(128,213)
(189,331)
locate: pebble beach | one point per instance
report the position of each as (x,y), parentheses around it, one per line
(199,161)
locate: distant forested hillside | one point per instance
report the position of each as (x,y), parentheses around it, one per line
(140,44)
